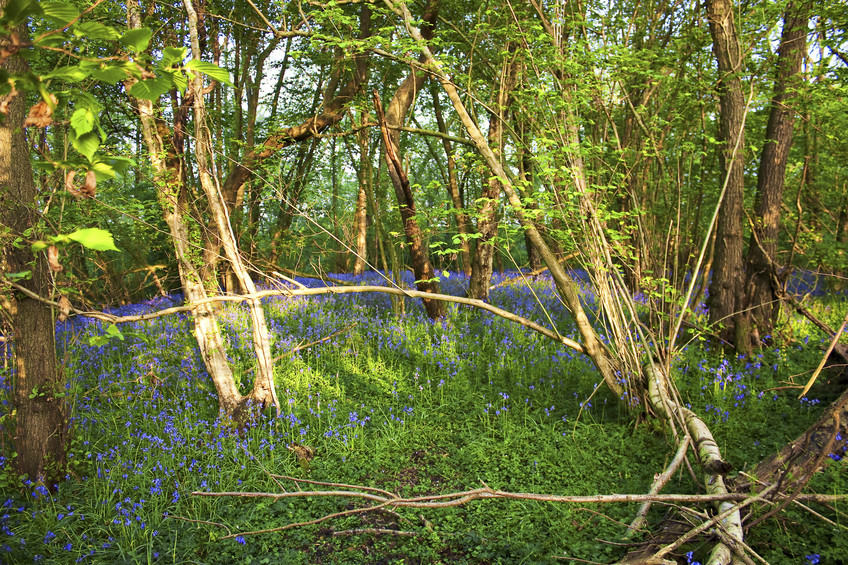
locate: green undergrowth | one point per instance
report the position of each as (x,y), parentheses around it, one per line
(402,405)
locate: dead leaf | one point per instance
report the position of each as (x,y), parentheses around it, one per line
(13,46)
(40,116)
(53,259)
(64,308)
(303,453)
(4,103)
(89,189)
(69,184)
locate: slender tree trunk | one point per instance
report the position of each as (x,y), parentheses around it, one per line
(263,393)
(453,185)
(360,215)
(425,276)
(763,305)
(727,286)
(389,123)
(41,427)
(487,220)
(173,198)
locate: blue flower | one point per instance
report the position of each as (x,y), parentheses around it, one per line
(243,541)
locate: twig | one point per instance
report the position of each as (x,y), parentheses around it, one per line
(384,531)
(337,485)
(659,482)
(709,523)
(229,532)
(827,353)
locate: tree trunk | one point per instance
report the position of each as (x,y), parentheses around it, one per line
(263,393)
(41,427)
(453,185)
(727,286)
(487,220)
(172,196)
(360,216)
(389,124)
(763,305)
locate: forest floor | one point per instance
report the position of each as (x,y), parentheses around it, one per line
(405,405)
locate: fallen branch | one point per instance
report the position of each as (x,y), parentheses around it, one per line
(111,318)
(385,501)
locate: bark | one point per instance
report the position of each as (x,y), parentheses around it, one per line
(425,277)
(399,106)
(41,426)
(487,221)
(763,305)
(727,286)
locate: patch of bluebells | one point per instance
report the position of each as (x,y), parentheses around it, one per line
(146,449)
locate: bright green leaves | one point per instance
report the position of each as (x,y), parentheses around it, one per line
(58,13)
(83,120)
(151,88)
(172,73)
(210,69)
(95,30)
(112,332)
(92,238)
(136,40)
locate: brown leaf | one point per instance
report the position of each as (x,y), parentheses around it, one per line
(64,308)
(13,46)
(53,259)
(89,189)
(40,116)
(69,184)
(6,100)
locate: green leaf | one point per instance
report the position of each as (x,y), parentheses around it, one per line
(108,74)
(60,13)
(16,11)
(210,69)
(178,79)
(70,73)
(152,88)
(136,40)
(173,56)
(103,170)
(21,276)
(87,144)
(95,30)
(113,331)
(39,246)
(82,121)
(94,238)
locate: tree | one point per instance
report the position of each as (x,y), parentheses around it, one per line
(41,425)
(761,299)
(390,122)
(726,288)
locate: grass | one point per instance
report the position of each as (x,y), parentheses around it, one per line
(404,405)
